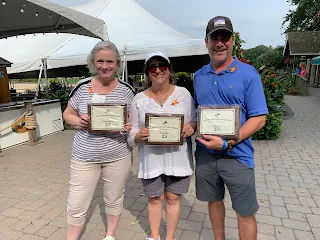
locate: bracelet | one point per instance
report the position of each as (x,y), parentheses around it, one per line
(229,145)
(224,145)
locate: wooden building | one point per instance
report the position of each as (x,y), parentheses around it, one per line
(304,46)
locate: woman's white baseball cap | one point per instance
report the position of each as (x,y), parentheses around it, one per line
(157,53)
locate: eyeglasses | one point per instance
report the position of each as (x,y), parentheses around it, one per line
(153,68)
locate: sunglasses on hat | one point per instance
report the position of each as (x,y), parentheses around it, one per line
(153,67)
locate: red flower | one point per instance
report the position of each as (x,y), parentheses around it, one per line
(273,84)
(273,75)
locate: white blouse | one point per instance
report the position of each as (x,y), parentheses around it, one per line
(168,160)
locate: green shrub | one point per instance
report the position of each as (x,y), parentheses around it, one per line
(274,93)
(57,90)
(272,129)
(289,85)
(184,80)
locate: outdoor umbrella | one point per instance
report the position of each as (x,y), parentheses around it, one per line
(315,61)
(19,17)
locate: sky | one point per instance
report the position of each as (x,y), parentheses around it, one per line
(258,21)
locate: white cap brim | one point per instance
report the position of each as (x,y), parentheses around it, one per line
(157,53)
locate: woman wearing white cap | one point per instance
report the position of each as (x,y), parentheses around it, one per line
(165,170)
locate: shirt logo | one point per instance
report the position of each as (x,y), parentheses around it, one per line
(90,90)
(219,21)
(174,102)
(233,68)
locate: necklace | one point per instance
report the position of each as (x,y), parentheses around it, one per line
(161,99)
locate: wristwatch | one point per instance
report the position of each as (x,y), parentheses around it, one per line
(229,145)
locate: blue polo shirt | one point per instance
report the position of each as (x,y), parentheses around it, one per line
(239,84)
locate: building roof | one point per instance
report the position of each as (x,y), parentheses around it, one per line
(4,62)
(302,43)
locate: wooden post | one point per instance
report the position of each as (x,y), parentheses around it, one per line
(4,86)
(31,132)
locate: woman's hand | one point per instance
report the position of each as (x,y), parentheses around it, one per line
(187,130)
(83,121)
(127,128)
(142,135)
(73,118)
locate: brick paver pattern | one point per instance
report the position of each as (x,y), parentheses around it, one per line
(34,184)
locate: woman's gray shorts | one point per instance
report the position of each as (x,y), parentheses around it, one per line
(155,187)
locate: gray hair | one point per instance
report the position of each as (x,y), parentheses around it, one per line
(103,45)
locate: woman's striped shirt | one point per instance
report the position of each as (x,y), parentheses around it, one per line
(99,147)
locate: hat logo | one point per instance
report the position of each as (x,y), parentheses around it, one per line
(219,21)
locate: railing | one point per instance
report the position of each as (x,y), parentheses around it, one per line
(302,84)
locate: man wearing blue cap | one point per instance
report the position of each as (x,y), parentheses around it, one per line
(226,81)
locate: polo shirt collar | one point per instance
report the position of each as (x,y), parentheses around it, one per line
(231,68)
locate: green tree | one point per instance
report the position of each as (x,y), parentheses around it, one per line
(254,53)
(305,16)
(273,57)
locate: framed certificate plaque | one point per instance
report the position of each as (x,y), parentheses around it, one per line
(164,129)
(221,121)
(106,117)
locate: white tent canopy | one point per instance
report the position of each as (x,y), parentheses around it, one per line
(130,27)
(18,17)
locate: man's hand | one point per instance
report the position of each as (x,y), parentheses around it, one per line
(211,142)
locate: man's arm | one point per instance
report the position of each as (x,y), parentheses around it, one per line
(251,126)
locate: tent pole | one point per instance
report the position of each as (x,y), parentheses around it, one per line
(124,63)
(317,76)
(45,73)
(38,83)
(126,72)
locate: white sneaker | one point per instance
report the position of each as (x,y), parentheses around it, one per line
(109,238)
(152,238)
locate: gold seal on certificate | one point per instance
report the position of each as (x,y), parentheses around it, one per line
(164,129)
(222,121)
(105,117)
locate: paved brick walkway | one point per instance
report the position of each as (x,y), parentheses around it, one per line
(34,188)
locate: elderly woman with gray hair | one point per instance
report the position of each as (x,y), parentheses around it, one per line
(93,155)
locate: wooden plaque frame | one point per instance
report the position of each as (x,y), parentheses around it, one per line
(125,114)
(223,136)
(147,121)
